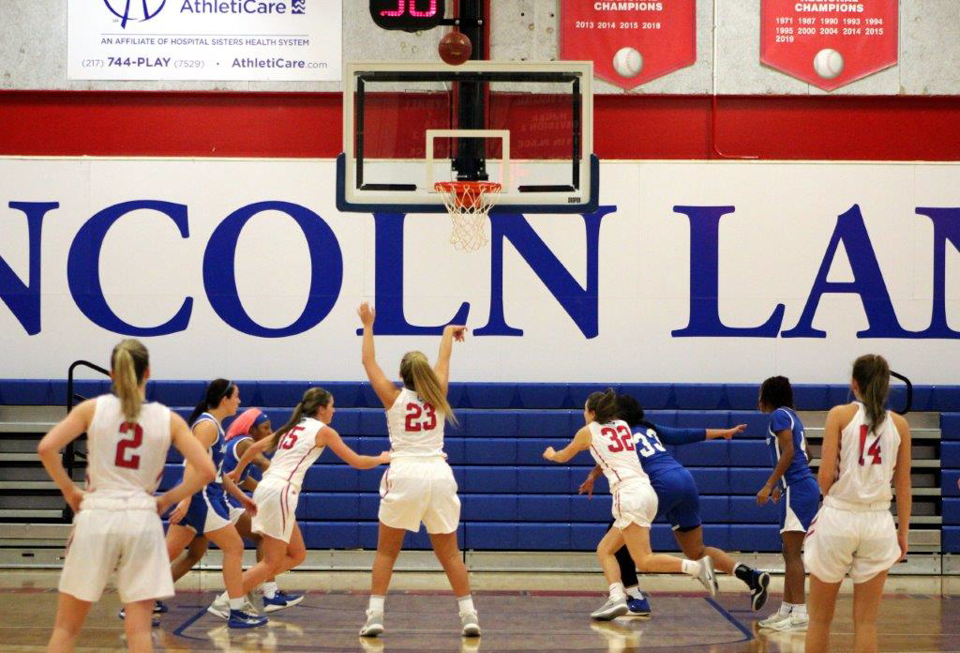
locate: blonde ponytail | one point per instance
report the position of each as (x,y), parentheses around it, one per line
(417,375)
(129,361)
(872,374)
(313,400)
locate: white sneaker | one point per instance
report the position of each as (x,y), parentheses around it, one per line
(707,576)
(374,625)
(773,619)
(610,610)
(794,623)
(220,607)
(471,625)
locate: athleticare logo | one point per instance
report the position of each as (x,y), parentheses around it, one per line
(242,7)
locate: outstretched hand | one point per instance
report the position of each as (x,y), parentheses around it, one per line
(459,331)
(367,314)
(736,430)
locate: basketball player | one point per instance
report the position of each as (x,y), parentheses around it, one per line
(207,514)
(634,503)
(419,486)
(865,447)
(117,523)
(297,444)
(678,501)
(793,479)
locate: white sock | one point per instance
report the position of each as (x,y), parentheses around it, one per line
(376,603)
(223,598)
(269,589)
(616,591)
(799,609)
(690,567)
(466,605)
(236,604)
(634,592)
(786,608)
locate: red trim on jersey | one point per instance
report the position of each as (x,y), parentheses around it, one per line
(604,462)
(283,508)
(300,462)
(386,484)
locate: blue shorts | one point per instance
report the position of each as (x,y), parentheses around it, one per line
(678,498)
(208,510)
(799,505)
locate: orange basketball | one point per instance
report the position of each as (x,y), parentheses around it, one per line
(455,48)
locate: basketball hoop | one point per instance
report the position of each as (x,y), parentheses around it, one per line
(468,202)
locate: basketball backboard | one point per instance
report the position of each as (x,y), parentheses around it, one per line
(526,126)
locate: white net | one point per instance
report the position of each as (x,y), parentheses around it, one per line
(468,202)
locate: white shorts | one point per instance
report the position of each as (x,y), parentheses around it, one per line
(415,490)
(276,510)
(839,542)
(635,503)
(117,534)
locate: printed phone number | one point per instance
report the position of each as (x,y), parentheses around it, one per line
(590,24)
(142,62)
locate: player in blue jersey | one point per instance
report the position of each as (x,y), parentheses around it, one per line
(794,486)
(206,513)
(678,502)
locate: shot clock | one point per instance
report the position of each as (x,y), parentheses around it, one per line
(407,15)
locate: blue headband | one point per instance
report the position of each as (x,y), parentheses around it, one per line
(261,418)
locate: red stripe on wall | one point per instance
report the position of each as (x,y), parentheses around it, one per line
(233,124)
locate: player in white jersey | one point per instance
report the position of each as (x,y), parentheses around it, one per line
(419,487)
(117,523)
(865,449)
(611,443)
(297,445)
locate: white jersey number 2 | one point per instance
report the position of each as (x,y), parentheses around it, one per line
(415,412)
(122,459)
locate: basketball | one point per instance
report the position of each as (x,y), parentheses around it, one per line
(455,48)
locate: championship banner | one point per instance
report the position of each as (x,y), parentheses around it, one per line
(630,43)
(829,44)
(243,40)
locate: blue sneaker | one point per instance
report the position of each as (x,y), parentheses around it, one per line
(280,601)
(241,619)
(159,607)
(638,607)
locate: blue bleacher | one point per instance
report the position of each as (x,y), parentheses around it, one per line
(512,498)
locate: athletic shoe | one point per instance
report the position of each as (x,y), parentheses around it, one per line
(374,625)
(159,607)
(760,583)
(707,576)
(610,610)
(773,619)
(793,623)
(220,607)
(241,619)
(638,607)
(471,625)
(280,601)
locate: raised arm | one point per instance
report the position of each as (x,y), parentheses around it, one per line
(451,332)
(199,469)
(386,391)
(330,438)
(902,482)
(65,432)
(581,442)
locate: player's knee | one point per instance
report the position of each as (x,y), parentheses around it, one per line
(644,563)
(298,555)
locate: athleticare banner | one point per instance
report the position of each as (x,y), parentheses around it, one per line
(688,272)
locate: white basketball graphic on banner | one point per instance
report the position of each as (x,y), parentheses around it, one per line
(628,62)
(828,63)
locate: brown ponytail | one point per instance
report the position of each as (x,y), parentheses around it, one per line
(313,400)
(872,374)
(417,375)
(603,405)
(128,361)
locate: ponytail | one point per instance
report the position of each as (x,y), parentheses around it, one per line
(603,405)
(417,375)
(313,400)
(872,374)
(217,391)
(129,361)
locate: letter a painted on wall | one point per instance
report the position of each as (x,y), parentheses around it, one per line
(630,43)
(829,44)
